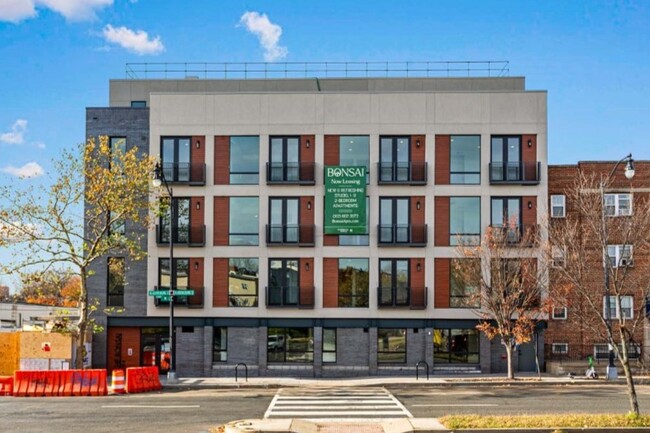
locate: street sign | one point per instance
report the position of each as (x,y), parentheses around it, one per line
(183,292)
(345,200)
(164,298)
(158,293)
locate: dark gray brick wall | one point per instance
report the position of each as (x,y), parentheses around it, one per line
(189,351)
(132,123)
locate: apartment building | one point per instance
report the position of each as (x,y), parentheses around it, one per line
(445,159)
(574,332)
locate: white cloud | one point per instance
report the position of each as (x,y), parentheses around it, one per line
(73,10)
(31,169)
(15,11)
(17,232)
(137,41)
(17,133)
(268,34)
(39,144)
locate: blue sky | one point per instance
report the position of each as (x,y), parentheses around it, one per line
(593,58)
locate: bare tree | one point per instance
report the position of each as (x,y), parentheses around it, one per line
(595,249)
(95,185)
(510,284)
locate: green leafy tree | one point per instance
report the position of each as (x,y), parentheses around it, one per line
(46,225)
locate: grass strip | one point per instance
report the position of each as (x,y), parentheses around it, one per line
(544,421)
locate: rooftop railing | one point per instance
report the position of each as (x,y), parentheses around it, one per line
(262,70)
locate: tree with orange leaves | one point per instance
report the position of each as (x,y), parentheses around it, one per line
(78,219)
(509,283)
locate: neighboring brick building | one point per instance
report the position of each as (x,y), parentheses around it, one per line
(570,336)
(447,157)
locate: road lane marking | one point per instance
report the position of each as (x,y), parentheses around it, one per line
(149,406)
(455,405)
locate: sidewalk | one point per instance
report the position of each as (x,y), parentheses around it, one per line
(437,380)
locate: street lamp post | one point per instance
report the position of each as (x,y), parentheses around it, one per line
(158,180)
(612,372)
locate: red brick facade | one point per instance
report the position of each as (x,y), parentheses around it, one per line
(221,160)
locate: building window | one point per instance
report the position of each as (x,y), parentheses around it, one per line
(329,345)
(284,285)
(284,220)
(560,348)
(179,274)
(118,149)
(465,160)
(290,345)
(465,220)
(620,256)
(559,313)
(558,206)
(358,239)
(180,227)
(284,159)
(558,257)
(455,346)
(506,158)
(175,155)
(394,220)
(394,284)
(391,346)
(354,151)
(353,283)
(627,307)
(116,227)
(220,344)
(138,104)
(462,294)
(618,204)
(116,281)
(243,279)
(244,221)
(244,160)
(394,154)
(506,217)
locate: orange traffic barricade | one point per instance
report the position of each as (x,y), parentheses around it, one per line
(6,385)
(117,381)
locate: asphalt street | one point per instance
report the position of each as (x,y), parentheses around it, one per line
(195,411)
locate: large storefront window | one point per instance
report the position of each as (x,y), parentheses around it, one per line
(290,345)
(391,346)
(455,346)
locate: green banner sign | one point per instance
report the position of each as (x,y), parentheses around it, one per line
(161,293)
(158,292)
(345,200)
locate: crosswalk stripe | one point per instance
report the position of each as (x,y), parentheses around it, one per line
(374,403)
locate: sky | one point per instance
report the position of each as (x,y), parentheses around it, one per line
(592,57)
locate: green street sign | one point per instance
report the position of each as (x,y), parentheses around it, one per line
(183,292)
(345,200)
(158,293)
(164,298)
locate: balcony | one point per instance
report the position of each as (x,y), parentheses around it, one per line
(290,173)
(523,235)
(407,235)
(414,298)
(289,297)
(301,235)
(402,173)
(184,173)
(194,301)
(189,236)
(515,173)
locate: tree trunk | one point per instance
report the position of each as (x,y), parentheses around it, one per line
(82,324)
(631,390)
(508,346)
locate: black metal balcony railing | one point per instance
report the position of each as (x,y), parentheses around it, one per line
(191,236)
(518,172)
(523,235)
(299,173)
(402,234)
(407,173)
(301,235)
(193,301)
(579,352)
(291,296)
(414,298)
(184,173)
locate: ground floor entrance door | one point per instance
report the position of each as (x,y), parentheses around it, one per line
(155,348)
(527,355)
